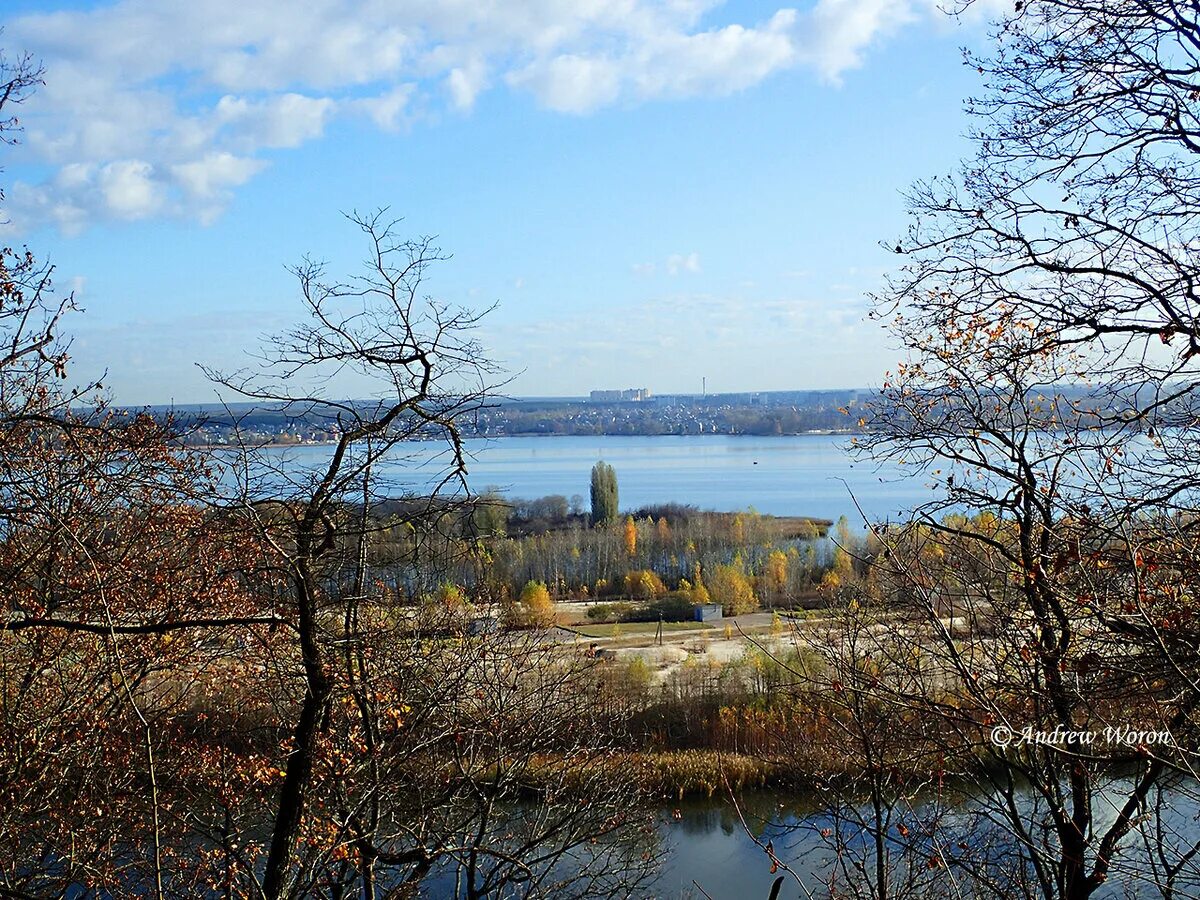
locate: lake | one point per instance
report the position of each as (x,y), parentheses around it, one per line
(809,474)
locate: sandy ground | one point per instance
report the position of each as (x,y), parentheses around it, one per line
(707,644)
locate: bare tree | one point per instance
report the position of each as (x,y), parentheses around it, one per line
(420,355)
(1044,598)
(428,754)
(1047,303)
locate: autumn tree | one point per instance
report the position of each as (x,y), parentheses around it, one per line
(630,536)
(403,758)
(644,584)
(662,532)
(536,605)
(204,690)
(33,352)
(729,586)
(604,494)
(1047,303)
(380,326)
(697,590)
(737,530)
(450,603)
(1075,215)
(775,574)
(113,573)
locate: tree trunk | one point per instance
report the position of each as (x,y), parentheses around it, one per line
(300,762)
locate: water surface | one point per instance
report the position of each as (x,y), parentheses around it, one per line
(811,474)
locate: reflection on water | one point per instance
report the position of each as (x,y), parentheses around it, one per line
(707,844)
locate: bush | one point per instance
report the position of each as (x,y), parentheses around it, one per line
(450,597)
(534,608)
(610,612)
(673,607)
(446,607)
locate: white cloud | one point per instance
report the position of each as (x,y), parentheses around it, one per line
(207,178)
(287,120)
(387,110)
(155,108)
(677,263)
(839,31)
(717,62)
(571,83)
(465,83)
(128,188)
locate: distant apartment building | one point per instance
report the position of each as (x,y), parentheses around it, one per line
(636,395)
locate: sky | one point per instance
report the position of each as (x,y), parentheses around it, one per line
(651,193)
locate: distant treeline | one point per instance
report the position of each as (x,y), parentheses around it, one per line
(768,413)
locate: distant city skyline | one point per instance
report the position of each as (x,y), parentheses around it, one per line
(653,193)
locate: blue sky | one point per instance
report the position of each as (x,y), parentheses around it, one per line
(651,191)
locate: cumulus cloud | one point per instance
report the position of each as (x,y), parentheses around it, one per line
(840,31)
(155,108)
(571,83)
(208,177)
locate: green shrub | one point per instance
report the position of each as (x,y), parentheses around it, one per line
(610,612)
(674,607)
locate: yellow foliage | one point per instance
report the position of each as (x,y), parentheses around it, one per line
(663,530)
(777,571)
(729,586)
(644,584)
(843,564)
(631,536)
(535,607)
(450,596)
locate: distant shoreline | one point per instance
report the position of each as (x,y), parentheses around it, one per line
(535,434)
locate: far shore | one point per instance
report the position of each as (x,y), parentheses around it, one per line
(537,434)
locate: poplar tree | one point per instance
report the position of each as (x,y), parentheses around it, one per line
(604,494)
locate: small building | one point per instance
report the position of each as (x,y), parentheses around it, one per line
(707,612)
(634,395)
